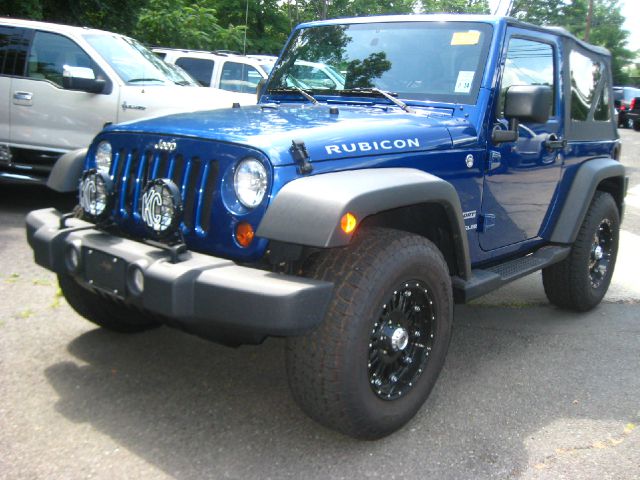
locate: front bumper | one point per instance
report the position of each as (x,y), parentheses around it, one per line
(208,296)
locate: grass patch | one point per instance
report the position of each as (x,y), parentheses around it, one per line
(26,313)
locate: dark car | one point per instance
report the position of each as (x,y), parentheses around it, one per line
(623,98)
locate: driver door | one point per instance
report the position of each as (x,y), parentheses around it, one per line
(44,115)
(522,176)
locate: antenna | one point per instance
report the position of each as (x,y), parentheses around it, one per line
(246,21)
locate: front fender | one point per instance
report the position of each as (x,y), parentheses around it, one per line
(307,211)
(66,172)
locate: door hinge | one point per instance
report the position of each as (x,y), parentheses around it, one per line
(486,221)
(494,161)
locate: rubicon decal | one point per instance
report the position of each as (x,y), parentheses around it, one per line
(398,144)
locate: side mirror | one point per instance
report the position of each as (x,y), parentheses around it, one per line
(523,103)
(81,78)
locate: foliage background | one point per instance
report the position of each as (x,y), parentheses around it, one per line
(220,24)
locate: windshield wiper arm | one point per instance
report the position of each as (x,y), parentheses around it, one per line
(297,90)
(385,94)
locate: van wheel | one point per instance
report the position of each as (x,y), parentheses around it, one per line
(580,281)
(103,311)
(370,365)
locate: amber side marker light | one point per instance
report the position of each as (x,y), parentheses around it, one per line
(348,222)
(244,234)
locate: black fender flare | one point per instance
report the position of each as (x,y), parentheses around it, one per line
(66,172)
(589,175)
(307,211)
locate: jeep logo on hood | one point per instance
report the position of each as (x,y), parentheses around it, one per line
(165,145)
(398,144)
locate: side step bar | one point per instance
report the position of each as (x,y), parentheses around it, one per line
(483,281)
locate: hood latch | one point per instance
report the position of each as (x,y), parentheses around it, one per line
(301,157)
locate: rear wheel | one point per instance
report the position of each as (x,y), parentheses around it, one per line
(580,281)
(371,364)
(103,311)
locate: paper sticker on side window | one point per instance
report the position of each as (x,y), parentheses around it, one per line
(464,82)
(472,37)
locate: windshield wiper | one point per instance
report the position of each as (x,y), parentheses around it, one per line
(388,95)
(296,90)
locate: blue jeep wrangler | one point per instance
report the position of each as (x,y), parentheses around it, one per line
(445,157)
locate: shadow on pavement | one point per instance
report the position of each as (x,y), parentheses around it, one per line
(24,198)
(197,410)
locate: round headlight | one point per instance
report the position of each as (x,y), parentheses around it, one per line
(103,157)
(250,182)
(161,207)
(95,194)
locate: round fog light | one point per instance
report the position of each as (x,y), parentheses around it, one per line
(136,279)
(73,259)
(95,194)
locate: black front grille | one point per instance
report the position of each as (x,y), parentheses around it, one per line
(195,177)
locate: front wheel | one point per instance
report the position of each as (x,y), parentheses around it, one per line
(371,364)
(580,281)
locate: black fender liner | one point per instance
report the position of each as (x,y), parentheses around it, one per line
(307,211)
(589,175)
(66,172)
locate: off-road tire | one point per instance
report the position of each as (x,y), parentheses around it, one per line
(568,284)
(636,125)
(103,311)
(329,370)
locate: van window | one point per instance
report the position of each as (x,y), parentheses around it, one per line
(50,52)
(239,77)
(199,68)
(13,51)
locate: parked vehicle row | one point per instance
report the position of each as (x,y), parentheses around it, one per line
(627,102)
(61,85)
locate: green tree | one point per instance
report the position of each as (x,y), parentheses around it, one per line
(267,22)
(455,6)
(181,24)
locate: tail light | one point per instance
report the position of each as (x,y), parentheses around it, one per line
(622,108)
(632,105)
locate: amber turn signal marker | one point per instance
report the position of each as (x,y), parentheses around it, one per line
(348,222)
(244,234)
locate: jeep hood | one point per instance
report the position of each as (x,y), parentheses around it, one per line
(353,131)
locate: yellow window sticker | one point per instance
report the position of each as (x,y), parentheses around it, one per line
(471,37)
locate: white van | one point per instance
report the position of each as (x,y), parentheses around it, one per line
(62,84)
(227,71)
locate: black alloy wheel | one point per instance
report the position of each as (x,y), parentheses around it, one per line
(401,340)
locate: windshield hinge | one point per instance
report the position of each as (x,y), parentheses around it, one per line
(301,156)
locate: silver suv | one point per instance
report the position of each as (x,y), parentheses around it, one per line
(60,85)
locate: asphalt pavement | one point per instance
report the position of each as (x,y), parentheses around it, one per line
(528,391)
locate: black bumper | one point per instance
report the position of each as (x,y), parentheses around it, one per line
(211,297)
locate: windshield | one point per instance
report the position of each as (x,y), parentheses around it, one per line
(133,62)
(416,60)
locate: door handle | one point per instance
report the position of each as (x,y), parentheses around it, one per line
(24,96)
(553,142)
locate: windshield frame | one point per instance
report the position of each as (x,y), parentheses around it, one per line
(487,37)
